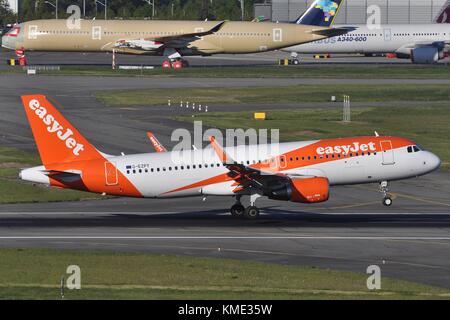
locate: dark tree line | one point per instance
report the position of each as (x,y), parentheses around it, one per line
(140,9)
(6,15)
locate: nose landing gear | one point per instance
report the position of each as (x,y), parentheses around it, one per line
(387,200)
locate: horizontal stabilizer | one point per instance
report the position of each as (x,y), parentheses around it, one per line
(65,177)
(333,32)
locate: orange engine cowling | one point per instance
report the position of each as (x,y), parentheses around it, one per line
(309,190)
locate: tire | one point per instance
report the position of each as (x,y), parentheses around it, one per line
(387,202)
(166,64)
(295,62)
(237,210)
(251,212)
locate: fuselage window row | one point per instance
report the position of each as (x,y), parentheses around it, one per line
(248,162)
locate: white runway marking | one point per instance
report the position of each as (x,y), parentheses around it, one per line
(83,213)
(214,238)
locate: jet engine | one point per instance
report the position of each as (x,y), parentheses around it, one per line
(309,190)
(427,55)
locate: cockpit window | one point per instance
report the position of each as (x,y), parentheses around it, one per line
(412,149)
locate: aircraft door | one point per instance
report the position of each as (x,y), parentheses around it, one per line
(277,35)
(111,177)
(387,152)
(387,35)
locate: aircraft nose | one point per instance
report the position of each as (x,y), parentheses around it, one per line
(8,42)
(10,38)
(432,161)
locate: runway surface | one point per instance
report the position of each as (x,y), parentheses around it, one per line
(350,232)
(221,60)
(408,241)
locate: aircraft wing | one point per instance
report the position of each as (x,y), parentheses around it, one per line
(247,177)
(440,45)
(188,37)
(172,41)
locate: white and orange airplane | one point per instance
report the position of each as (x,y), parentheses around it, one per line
(300,172)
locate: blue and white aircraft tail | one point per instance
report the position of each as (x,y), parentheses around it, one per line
(321,13)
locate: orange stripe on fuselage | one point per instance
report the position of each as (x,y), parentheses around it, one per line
(310,151)
(94,178)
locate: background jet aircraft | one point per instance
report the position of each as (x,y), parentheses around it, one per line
(422,43)
(172,39)
(444,15)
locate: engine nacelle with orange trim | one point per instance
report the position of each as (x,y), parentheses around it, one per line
(309,190)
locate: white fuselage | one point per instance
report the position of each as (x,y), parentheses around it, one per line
(386,39)
(200,172)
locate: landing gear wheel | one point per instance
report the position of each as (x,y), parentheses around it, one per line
(251,212)
(167,64)
(387,201)
(295,62)
(237,210)
(178,64)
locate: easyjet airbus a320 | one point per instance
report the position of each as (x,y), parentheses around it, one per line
(300,172)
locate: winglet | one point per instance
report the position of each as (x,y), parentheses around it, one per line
(223,156)
(155,142)
(217,27)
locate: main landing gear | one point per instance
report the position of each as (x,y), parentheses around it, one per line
(387,200)
(239,211)
(175,64)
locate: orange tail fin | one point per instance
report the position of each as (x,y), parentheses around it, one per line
(56,138)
